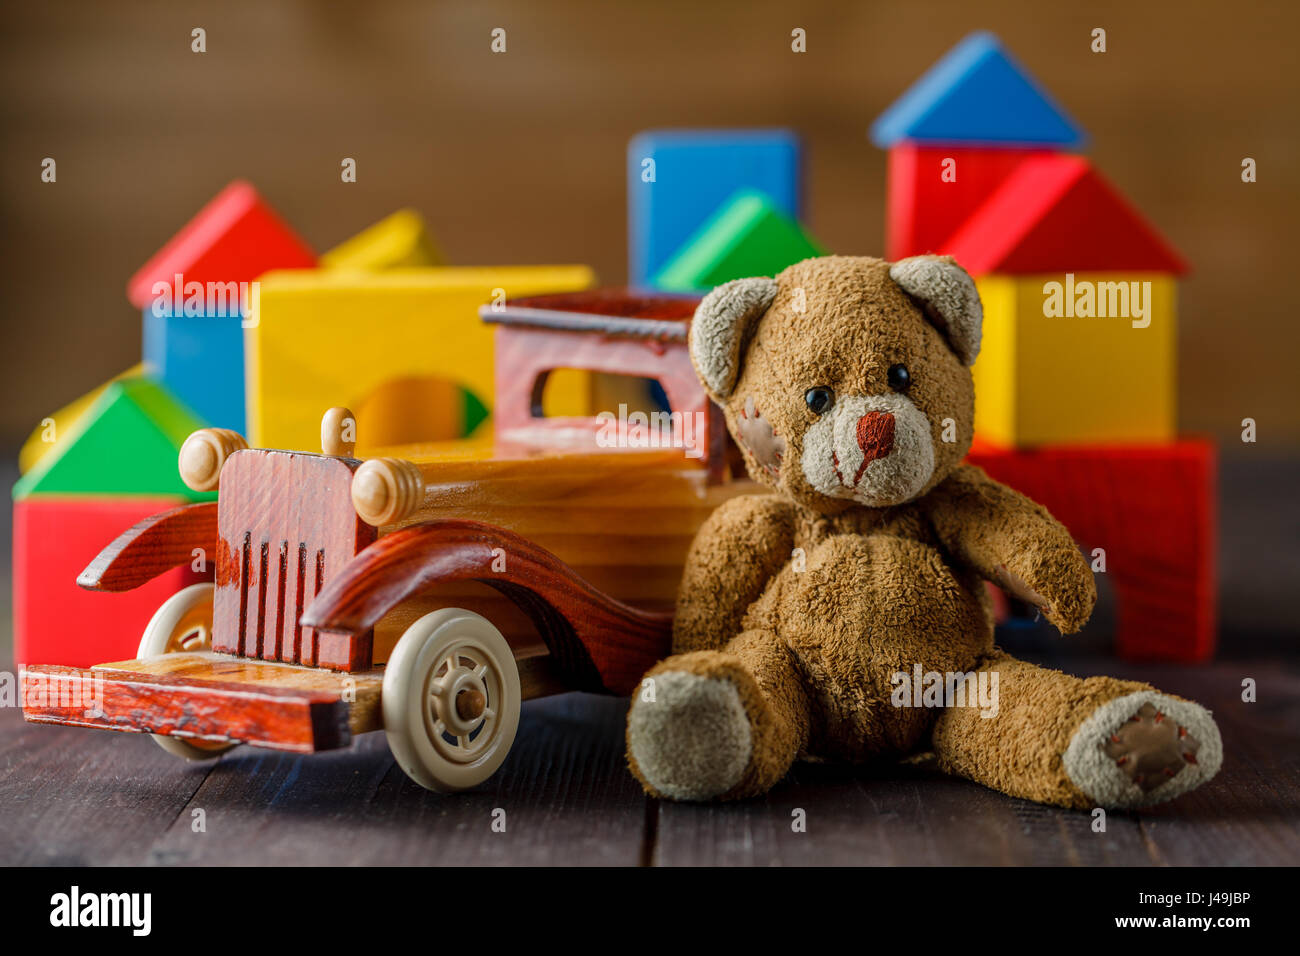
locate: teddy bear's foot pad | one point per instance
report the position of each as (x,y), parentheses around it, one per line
(1143,748)
(693,741)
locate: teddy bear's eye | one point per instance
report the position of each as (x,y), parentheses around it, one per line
(899,377)
(819,399)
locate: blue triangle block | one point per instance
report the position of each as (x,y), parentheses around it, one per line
(977,94)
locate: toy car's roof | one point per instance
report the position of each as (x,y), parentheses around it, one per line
(482,454)
(623,312)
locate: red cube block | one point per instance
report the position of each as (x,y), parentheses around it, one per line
(57,622)
(1152,509)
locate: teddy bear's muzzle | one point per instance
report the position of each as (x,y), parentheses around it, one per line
(875,449)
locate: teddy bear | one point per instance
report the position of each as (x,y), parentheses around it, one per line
(842,615)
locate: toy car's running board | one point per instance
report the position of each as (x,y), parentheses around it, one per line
(205,697)
(208,697)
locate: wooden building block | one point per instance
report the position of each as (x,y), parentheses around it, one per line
(747,236)
(1153,509)
(933,189)
(977,94)
(42,440)
(399,241)
(234,238)
(678,178)
(329,337)
(126,443)
(1056,213)
(1054,379)
(200,359)
(55,538)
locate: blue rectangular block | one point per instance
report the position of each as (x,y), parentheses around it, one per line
(678,178)
(200,359)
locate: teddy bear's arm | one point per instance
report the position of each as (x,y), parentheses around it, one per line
(737,550)
(1014,542)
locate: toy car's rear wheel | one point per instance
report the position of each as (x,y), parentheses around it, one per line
(183,623)
(451,700)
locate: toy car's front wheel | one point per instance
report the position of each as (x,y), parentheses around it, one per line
(451,700)
(183,623)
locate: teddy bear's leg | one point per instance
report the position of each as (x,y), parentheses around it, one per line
(1076,742)
(719,724)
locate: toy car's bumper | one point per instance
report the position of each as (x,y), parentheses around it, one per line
(209,697)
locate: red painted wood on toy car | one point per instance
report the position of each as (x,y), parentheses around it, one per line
(286,526)
(596,642)
(152,546)
(282,718)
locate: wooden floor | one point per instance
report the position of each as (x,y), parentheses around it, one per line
(70,796)
(73,796)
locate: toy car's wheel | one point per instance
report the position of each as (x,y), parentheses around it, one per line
(451,700)
(183,623)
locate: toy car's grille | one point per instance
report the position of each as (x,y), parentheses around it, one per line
(286,525)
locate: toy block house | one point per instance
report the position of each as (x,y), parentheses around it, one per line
(114,464)
(1076,382)
(1080,311)
(196,290)
(1079,291)
(956,135)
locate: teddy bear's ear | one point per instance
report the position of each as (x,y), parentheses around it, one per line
(723,324)
(947,293)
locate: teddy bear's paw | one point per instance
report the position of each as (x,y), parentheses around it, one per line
(1143,748)
(693,741)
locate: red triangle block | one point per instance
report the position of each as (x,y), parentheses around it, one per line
(234,238)
(1056,214)
(925,206)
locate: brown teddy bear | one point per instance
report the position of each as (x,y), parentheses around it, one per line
(843,616)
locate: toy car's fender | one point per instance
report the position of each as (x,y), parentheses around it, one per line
(150,547)
(597,642)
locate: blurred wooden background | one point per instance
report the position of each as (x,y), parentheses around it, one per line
(520,157)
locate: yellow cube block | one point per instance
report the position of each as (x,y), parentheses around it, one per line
(381,343)
(1077,358)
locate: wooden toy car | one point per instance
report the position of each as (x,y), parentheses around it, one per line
(425,593)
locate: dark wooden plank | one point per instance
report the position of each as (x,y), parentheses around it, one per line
(892,815)
(1249,815)
(900,814)
(566,794)
(75,797)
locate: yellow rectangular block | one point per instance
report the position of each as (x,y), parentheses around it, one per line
(1077,358)
(376,342)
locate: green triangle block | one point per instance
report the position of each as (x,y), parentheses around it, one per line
(747,236)
(473,412)
(126,443)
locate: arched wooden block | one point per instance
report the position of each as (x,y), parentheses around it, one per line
(597,642)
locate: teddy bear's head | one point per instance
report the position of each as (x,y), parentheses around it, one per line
(845,380)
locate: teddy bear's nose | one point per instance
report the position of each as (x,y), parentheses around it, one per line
(875,435)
